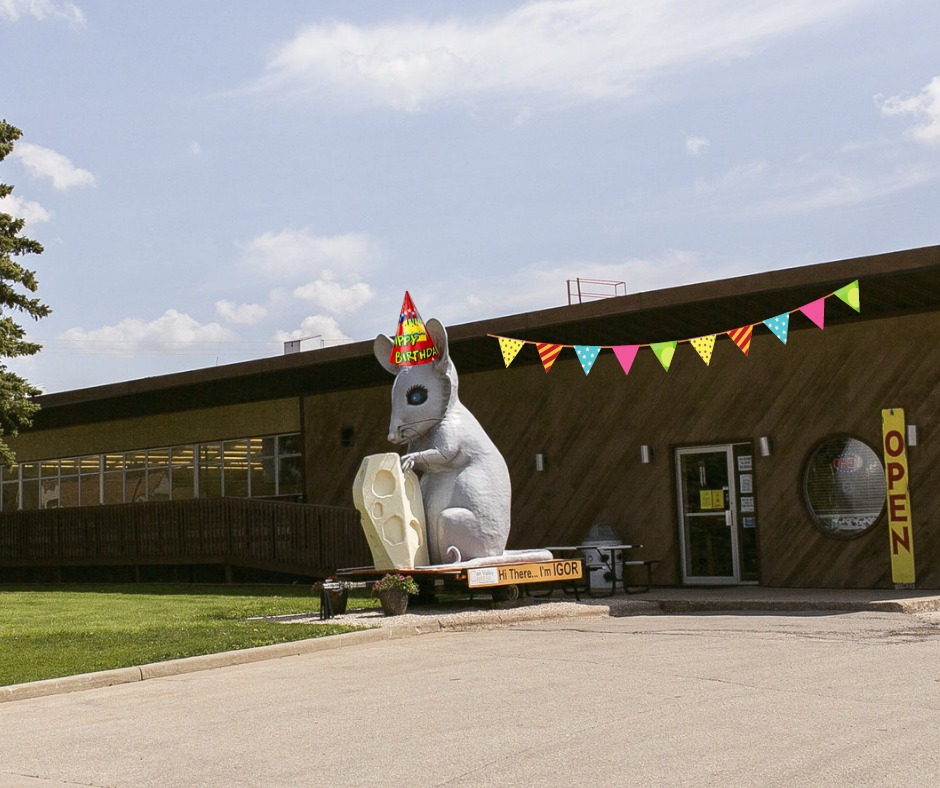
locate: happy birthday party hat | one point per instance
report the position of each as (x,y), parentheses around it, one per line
(412,345)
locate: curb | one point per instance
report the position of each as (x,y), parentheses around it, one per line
(908,606)
(489,619)
(176,667)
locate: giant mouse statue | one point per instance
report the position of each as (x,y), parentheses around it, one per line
(465,483)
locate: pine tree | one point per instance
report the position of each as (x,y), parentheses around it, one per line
(17,284)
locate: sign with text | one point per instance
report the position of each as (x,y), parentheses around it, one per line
(511,574)
(900,526)
(711,499)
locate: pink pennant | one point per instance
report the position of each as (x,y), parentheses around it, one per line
(816,311)
(625,355)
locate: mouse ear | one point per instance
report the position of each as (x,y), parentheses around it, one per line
(383,352)
(438,335)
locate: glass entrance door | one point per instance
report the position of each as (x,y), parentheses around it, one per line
(708,515)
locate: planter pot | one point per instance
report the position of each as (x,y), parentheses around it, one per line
(338,600)
(394,601)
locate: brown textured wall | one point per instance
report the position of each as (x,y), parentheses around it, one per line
(590,429)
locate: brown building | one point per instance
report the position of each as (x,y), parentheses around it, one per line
(765,467)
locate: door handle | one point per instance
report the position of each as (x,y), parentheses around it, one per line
(729,520)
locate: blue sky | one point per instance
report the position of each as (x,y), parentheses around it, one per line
(210,179)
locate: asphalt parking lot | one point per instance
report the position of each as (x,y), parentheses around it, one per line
(811,698)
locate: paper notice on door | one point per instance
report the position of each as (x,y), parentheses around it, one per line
(710,500)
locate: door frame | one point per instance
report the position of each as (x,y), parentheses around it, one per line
(731,511)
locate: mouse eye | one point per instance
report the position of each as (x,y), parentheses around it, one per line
(417,395)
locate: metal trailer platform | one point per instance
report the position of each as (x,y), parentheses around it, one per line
(504,581)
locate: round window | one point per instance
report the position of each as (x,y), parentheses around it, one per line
(844,486)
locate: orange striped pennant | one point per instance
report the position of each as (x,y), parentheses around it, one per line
(742,337)
(548,353)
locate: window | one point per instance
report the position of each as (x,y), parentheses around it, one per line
(10,488)
(29,472)
(262,468)
(183,468)
(210,470)
(290,465)
(257,467)
(68,482)
(90,470)
(236,468)
(113,479)
(844,486)
(49,484)
(158,474)
(135,476)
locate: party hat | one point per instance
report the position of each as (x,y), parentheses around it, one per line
(412,345)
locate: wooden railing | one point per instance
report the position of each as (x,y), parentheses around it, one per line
(283,537)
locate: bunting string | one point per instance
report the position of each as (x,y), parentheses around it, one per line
(778,325)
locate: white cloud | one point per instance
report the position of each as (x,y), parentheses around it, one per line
(14,10)
(741,176)
(695,146)
(833,189)
(195,148)
(31,212)
(925,104)
(290,254)
(756,189)
(570,51)
(43,162)
(242,314)
(172,331)
(523,117)
(334,297)
(321,327)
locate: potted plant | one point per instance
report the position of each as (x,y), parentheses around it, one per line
(336,590)
(393,591)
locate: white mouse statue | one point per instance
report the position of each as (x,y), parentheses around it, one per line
(465,482)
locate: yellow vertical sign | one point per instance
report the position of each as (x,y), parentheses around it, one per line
(900,526)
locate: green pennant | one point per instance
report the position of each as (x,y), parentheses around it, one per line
(664,352)
(850,295)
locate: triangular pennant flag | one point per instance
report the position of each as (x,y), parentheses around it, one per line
(704,347)
(816,311)
(510,348)
(625,355)
(664,352)
(412,345)
(850,295)
(548,353)
(779,325)
(587,355)
(742,338)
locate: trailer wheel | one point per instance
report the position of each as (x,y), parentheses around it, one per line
(508,593)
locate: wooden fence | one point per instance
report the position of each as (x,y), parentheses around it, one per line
(234,532)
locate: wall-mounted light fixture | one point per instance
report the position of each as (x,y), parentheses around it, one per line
(911,434)
(540,462)
(765,445)
(646,454)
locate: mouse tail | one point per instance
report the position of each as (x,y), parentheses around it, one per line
(453,551)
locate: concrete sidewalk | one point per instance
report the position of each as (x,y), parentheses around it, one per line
(425,620)
(813,698)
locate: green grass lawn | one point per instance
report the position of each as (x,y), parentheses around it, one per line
(53,631)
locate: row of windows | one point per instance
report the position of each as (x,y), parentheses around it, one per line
(261,467)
